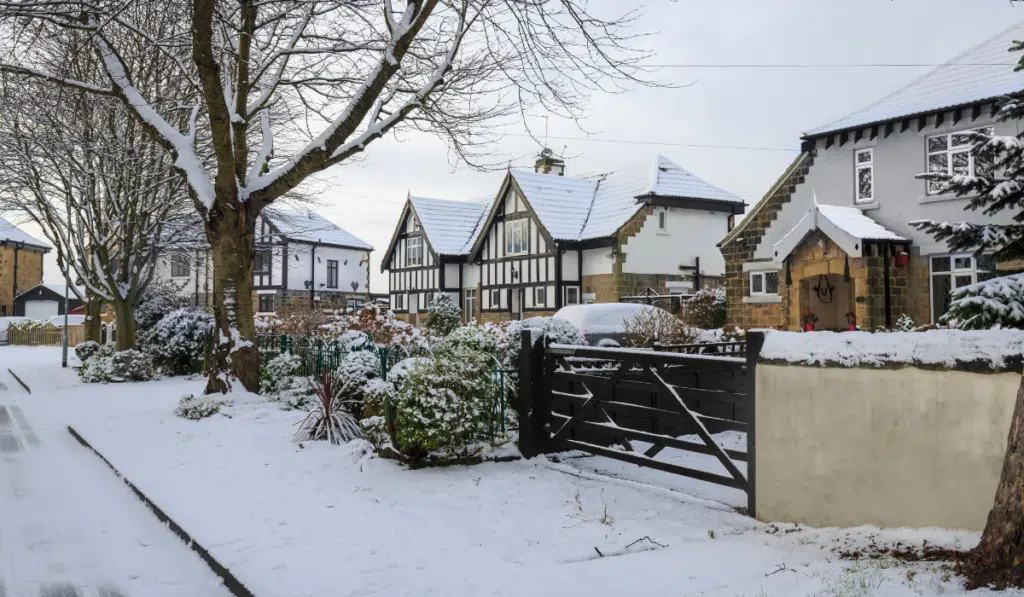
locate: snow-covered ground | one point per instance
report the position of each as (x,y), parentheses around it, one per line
(322,520)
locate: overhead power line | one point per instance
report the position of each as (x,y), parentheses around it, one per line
(835,65)
(665,143)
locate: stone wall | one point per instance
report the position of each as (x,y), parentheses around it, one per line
(30,274)
(741,249)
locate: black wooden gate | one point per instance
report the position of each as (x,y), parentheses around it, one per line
(606,400)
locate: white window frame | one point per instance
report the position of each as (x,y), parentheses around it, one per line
(663,221)
(511,228)
(414,224)
(180,261)
(496,294)
(951,273)
(566,290)
(763,276)
(469,304)
(949,152)
(409,252)
(868,165)
(540,296)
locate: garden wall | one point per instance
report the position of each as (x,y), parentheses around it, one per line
(888,440)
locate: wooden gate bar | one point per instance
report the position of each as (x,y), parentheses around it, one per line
(646,386)
(641,460)
(644,436)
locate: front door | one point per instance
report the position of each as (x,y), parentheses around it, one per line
(517,303)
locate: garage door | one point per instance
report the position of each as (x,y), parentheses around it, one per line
(40,309)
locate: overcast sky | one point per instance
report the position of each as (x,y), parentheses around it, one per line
(748,107)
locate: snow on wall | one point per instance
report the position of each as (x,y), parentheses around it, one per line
(688,234)
(935,347)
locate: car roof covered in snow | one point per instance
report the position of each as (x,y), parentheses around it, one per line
(981,73)
(302,224)
(9,233)
(603,318)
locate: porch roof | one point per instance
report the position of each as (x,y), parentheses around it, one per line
(848,227)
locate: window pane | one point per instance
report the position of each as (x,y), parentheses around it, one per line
(863,157)
(962,281)
(986,262)
(771,282)
(940,296)
(938,163)
(937,144)
(940,264)
(982,167)
(962,263)
(982,276)
(864,183)
(756,283)
(961,139)
(961,163)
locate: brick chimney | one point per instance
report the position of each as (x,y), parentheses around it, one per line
(547,163)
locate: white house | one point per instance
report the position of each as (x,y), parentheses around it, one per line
(548,240)
(301,258)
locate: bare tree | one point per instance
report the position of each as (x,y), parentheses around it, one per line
(289,88)
(104,194)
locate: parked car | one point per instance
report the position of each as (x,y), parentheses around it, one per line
(4,322)
(604,324)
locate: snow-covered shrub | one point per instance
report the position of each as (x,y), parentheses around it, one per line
(442,404)
(443,315)
(658,325)
(157,300)
(554,330)
(328,420)
(904,323)
(375,431)
(178,341)
(126,365)
(197,407)
(296,394)
(706,310)
(87,349)
(357,369)
(995,303)
(277,372)
(474,337)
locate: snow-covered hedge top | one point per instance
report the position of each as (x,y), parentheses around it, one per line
(995,349)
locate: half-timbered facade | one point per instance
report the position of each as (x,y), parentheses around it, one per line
(301,258)
(427,255)
(549,240)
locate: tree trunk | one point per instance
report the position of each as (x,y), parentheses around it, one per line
(93,324)
(231,238)
(124,311)
(999,557)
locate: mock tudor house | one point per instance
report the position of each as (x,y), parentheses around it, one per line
(21,264)
(548,240)
(832,240)
(301,258)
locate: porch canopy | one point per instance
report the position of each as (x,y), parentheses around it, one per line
(848,227)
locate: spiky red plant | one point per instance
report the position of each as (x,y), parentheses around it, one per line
(328,420)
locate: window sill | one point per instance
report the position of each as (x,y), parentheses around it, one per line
(867,206)
(767,299)
(663,233)
(925,199)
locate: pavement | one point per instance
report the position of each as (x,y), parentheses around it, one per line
(69,527)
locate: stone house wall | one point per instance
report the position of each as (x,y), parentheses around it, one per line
(30,274)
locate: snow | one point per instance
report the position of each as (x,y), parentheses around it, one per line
(293,520)
(11,233)
(451,226)
(933,347)
(853,221)
(955,83)
(596,205)
(606,318)
(305,225)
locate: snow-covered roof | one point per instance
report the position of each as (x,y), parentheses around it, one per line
(11,233)
(959,82)
(305,225)
(848,227)
(596,205)
(451,226)
(76,291)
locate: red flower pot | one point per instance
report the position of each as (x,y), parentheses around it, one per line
(902,259)
(852,327)
(809,327)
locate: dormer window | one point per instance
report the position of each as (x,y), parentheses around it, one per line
(414,251)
